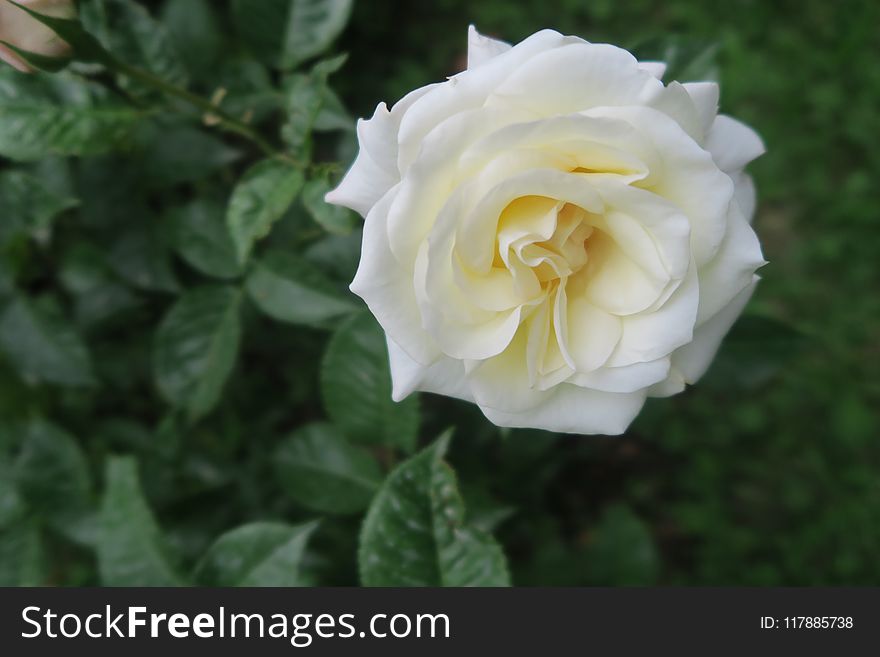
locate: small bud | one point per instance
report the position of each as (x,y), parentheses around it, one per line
(23,31)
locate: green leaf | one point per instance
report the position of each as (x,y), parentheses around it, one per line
(130,548)
(257,554)
(333,218)
(311,28)
(333,115)
(323,472)
(200,237)
(622,552)
(290,289)
(12,505)
(53,475)
(356,387)
(338,255)
(174,153)
(22,562)
(261,25)
(141,258)
(99,295)
(306,95)
(36,122)
(43,347)
(261,197)
(415,532)
(284,33)
(195,348)
(29,206)
(195,31)
(137,38)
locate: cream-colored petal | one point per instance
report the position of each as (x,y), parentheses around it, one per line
(387,288)
(435,175)
(674,101)
(445,376)
(503,393)
(744,193)
(482,48)
(374,170)
(672,385)
(657,69)
(467,90)
(693,359)
(628,378)
(571,409)
(731,270)
(648,228)
(732,143)
(584,75)
(477,230)
(652,335)
(689,178)
(615,282)
(591,334)
(705,96)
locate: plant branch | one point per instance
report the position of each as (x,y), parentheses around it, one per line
(225,120)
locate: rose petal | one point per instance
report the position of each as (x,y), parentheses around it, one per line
(628,378)
(657,69)
(705,96)
(591,334)
(374,170)
(653,335)
(733,144)
(482,48)
(387,288)
(693,359)
(445,376)
(732,269)
(584,75)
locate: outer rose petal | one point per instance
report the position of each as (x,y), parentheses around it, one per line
(744,193)
(693,359)
(733,144)
(733,266)
(482,48)
(445,376)
(657,69)
(571,409)
(388,289)
(506,398)
(374,170)
(468,90)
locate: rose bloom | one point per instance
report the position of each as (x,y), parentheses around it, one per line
(26,33)
(554,234)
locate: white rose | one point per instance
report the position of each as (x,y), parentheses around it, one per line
(554,234)
(23,31)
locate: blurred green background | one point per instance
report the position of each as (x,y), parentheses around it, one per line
(768,471)
(765,473)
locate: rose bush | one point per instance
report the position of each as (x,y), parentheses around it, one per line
(554,234)
(20,30)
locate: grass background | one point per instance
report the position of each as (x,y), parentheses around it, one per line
(769,472)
